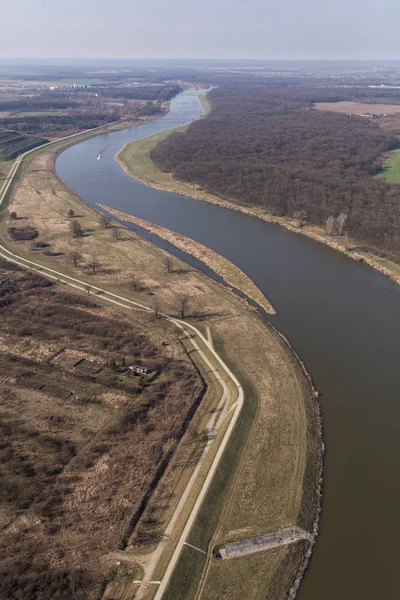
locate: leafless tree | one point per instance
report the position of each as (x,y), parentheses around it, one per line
(136,283)
(106,221)
(76,257)
(94,264)
(301,216)
(184,302)
(168,262)
(341,222)
(330,225)
(76,228)
(117,233)
(156,308)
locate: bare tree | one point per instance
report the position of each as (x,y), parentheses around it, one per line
(301,217)
(330,225)
(71,213)
(76,228)
(94,264)
(168,262)
(106,221)
(156,308)
(184,302)
(136,283)
(117,233)
(341,222)
(76,257)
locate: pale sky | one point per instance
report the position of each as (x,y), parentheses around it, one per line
(265,29)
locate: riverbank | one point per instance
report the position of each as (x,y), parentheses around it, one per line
(136,268)
(135,159)
(217,263)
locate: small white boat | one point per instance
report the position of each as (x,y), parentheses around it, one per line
(98,156)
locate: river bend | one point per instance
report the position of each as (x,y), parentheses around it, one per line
(342,317)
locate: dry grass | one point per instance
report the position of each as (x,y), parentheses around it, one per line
(263,575)
(41,201)
(268,493)
(220,265)
(70,433)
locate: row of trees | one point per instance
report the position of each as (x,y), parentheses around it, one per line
(267,147)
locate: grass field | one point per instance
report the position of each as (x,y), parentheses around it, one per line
(266,575)
(391,169)
(42,113)
(136,156)
(384,262)
(359,108)
(261,487)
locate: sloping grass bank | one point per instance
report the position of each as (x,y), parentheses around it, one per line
(391,169)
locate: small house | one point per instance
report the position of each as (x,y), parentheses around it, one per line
(139,370)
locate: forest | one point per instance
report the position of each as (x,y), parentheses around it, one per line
(266,146)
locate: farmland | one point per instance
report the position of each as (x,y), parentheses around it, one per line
(359,108)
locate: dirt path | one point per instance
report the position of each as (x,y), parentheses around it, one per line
(226,407)
(149,561)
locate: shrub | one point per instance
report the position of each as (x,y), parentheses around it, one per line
(76,229)
(19,234)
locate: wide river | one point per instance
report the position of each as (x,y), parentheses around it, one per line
(342,317)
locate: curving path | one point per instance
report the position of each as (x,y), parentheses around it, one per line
(211,359)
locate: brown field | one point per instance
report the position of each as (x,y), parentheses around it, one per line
(69,433)
(359,108)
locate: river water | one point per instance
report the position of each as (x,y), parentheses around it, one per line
(342,317)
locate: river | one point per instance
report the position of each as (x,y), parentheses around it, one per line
(342,317)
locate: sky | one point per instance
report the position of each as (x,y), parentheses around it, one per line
(248,29)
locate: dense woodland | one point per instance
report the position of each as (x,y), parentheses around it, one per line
(264,145)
